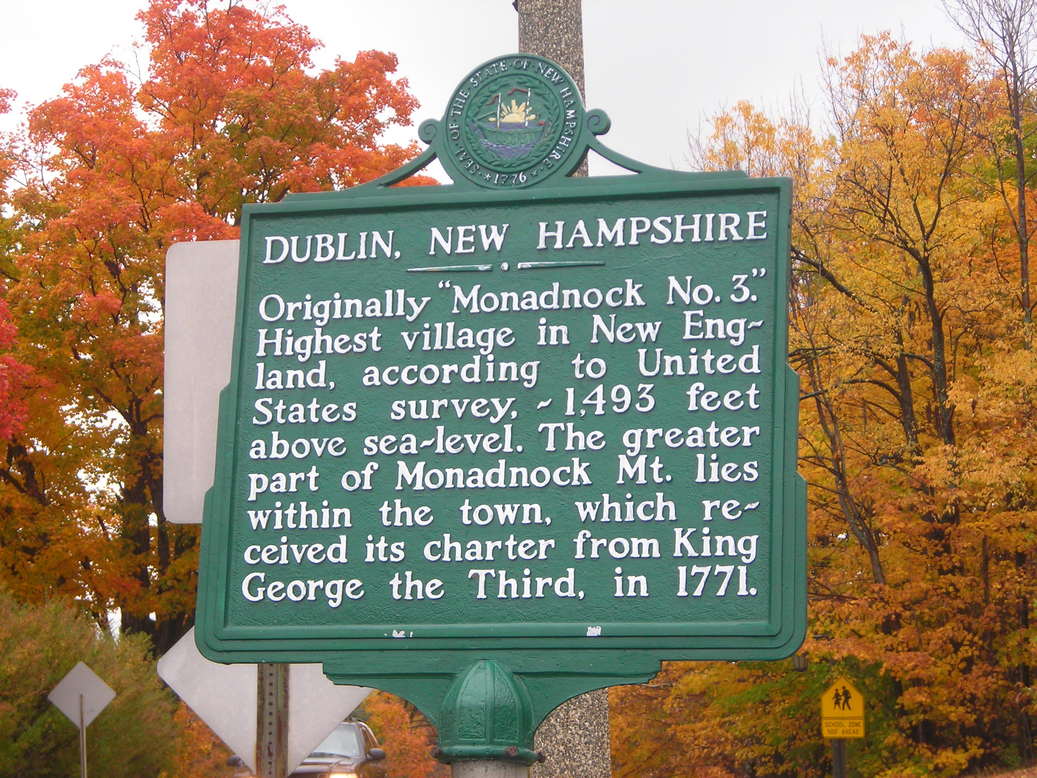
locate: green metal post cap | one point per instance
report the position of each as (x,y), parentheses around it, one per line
(487,715)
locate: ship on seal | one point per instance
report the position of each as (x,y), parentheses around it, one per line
(511,129)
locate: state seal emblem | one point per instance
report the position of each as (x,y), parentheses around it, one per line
(512,121)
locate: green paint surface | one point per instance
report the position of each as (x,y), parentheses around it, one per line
(563,417)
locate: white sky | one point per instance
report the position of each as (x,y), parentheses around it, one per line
(659,68)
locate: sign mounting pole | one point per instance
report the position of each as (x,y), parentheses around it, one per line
(839,758)
(272,719)
(82,739)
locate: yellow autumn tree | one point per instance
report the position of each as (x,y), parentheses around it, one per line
(918,389)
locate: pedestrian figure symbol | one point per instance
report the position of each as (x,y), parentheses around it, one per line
(841,699)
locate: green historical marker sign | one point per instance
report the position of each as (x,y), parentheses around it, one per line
(524,418)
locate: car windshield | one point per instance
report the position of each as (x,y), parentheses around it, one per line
(344,741)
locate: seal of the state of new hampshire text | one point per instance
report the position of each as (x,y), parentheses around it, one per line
(512,121)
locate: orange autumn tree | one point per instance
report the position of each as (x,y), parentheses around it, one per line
(407,736)
(229,109)
(917,440)
(30,489)
(13,374)
(13,381)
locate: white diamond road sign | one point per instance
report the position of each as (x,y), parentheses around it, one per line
(81,695)
(224,697)
(200,286)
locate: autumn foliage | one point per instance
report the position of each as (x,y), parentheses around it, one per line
(14,379)
(229,109)
(913,337)
(406,735)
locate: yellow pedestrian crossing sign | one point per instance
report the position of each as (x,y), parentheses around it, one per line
(842,711)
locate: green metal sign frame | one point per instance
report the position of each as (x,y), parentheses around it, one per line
(493,444)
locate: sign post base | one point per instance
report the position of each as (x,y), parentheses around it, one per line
(487,710)
(487,715)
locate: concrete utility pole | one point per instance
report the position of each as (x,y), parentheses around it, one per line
(488,770)
(554,29)
(575,737)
